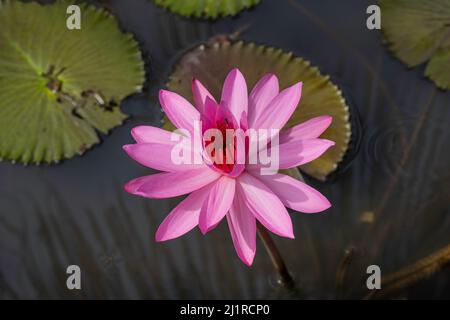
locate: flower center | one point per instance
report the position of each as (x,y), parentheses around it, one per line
(222,149)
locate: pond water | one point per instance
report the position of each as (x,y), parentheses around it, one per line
(391,196)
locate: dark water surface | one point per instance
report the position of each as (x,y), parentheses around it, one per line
(391,204)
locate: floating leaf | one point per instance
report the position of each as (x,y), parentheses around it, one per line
(210,64)
(59,86)
(206,8)
(418,31)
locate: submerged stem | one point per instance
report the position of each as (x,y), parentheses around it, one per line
(275,256)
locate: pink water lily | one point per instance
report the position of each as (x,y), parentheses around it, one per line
(236,191)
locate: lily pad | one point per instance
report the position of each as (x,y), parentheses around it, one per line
(418,31)
(206,8)
(60,87)
(210,64)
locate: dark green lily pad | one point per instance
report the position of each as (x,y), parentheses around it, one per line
(418,31)
(206,8)
(60,87)
(210,64)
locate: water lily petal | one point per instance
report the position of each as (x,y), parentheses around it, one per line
(215,113)
(265,205)
(262,94)
(179,111)
(310,129)
(296,153)
(217,203)
(171,184)
(149,134)
(235,95)
(200,93)
(159,155)
(295,194)
(280,109)
(183,218)
(242,225)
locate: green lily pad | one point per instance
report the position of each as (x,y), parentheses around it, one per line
(60,87)
(206,8)
(418,31)
(210,64)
